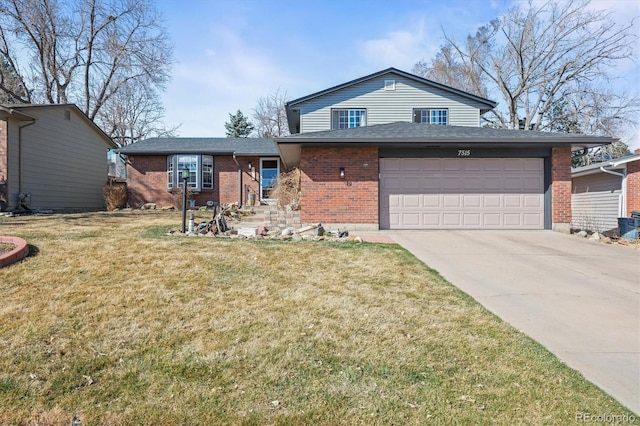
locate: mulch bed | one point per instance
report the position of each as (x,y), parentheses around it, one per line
(6,248)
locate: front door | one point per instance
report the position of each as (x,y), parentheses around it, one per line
(269,171)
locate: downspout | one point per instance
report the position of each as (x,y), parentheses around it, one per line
(622,203)
(239,180)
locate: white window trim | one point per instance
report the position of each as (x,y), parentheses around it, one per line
(335,120)
(415,112)
(174,175)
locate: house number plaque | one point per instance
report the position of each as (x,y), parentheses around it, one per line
(464,152)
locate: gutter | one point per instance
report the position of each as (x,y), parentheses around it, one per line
(622,202)
(239,180)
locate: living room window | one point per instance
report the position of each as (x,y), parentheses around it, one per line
(431,116)
(348,118)
(200,171)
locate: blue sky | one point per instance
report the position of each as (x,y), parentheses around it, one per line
(229,53)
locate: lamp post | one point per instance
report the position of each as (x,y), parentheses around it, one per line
(185,179)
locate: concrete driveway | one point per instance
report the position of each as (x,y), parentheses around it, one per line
(578,298)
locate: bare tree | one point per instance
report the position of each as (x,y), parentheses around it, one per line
(134,114)
(270,116)
(538,55)
(450,69)
(84,51)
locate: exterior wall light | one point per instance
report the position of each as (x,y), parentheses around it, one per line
(185,179)
(341,172)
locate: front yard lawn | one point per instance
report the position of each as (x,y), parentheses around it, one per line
(115,323)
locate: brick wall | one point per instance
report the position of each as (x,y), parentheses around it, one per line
(227,178)
(326,198)
(633,186)
(147,181)
(3,151)
(561,186)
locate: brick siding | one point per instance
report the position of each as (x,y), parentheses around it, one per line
(633,186)
(327,198)
(561,185)
(3,151)
(147,181)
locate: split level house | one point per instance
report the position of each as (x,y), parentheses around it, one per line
(52,157)
(390,150)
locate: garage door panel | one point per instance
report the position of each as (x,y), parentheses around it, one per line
(532,165)
(471,201)
(431,201)
(431,219)
(532,183)
(451,201)
(533,220)
(412,164)
(431,164)
(462,193)
(491,220)
(533,201)
(451,220)
(472,219)
(512,219)
(411,201)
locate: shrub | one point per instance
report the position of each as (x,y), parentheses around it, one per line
(115,195)
(287,190)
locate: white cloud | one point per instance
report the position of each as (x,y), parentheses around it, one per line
(400,49)
(227,75)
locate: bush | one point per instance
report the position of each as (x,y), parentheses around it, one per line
(115,195)
(177,194)
(287,190)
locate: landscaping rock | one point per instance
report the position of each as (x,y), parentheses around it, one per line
(296,237)
(149,206)
(319,231)
(595,237)
(606,240)
(286,231)
(582,234)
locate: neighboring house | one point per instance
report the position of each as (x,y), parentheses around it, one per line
(603,192)
(392,150)
(52,157)
(222,170)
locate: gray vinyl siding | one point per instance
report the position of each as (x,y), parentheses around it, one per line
(387,106)
(595,201)
(64,162)
(12,160)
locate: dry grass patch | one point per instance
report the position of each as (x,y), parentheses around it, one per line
(116,323)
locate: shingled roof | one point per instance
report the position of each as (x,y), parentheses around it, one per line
(420,135)
(210,146)
(420,132)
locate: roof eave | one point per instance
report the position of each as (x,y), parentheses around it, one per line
(586,143)
(491,104)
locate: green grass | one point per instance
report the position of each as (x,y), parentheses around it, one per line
(114,322)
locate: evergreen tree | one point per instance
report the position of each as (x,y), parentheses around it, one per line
(238,126)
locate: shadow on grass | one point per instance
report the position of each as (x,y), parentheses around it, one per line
(33,251)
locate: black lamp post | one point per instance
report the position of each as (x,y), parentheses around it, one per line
(185,179)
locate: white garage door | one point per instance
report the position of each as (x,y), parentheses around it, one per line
(455,193)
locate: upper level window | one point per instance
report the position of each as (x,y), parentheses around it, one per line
(430,116)
(200,171)
(347,118)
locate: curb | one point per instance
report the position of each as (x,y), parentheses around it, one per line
(18,253)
